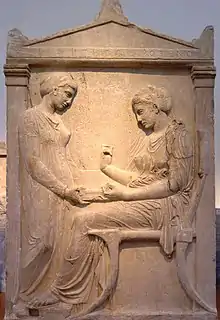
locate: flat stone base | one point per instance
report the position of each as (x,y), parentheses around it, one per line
(127,316)
(147,316)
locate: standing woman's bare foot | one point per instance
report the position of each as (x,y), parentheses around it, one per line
(44,300)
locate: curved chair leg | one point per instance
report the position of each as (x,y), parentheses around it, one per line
(184,238)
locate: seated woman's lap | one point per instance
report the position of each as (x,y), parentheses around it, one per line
(113,215)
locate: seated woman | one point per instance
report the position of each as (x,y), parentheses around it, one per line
(154,195)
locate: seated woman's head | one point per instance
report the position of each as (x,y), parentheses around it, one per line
(151,104)
(61,88)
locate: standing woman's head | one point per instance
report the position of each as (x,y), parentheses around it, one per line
(61,89)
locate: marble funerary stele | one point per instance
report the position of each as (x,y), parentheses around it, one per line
(110,173)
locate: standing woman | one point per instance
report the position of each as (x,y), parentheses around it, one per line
(46,183)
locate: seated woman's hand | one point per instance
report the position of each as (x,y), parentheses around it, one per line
(75,195)
(114,193)
(106,157)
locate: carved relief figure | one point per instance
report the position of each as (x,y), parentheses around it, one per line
(47,184)
(151,195)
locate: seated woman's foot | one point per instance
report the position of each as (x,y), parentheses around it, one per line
(44,300)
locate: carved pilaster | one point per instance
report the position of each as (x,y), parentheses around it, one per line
(203,78)
(16,80)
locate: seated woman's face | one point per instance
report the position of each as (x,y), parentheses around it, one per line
(146,114)
(63,98)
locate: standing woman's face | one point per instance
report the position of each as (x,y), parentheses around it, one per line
(62,98)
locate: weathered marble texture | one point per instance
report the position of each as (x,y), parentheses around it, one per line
(110,61)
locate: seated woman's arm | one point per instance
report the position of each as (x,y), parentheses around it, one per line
(157,190)
(122,176)
(180,175)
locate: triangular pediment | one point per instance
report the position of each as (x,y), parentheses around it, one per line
(112,34)
(109,36)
